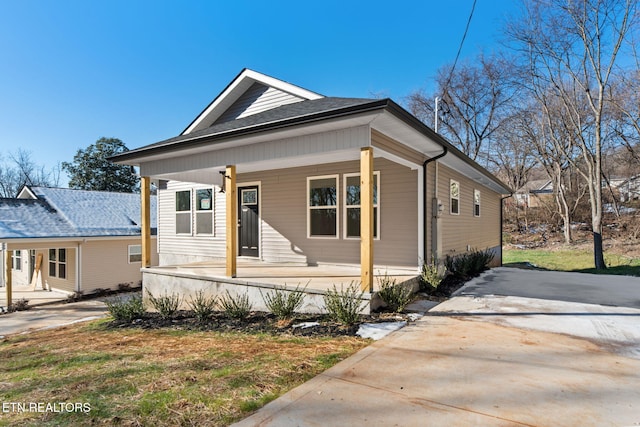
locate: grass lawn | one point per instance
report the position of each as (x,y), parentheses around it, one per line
(571,260)
(154,377)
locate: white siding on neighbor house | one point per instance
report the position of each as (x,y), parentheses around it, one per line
(105,264)
(184,248)
(256,99)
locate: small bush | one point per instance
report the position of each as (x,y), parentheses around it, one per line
(100,292)
(20,305)
(203,307)
(124,287)
(125,309)
(469,264)
(76,296)
(282,303)
(166,305)
(432,275)
(396,297)
(344,306)
(236,307)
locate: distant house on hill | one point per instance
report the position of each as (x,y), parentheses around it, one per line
(72,240)
(533,193)
(629,188)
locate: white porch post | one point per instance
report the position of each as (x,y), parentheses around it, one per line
(366,218)
(145,191)
(231,220)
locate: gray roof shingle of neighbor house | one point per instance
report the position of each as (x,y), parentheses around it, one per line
(61,212)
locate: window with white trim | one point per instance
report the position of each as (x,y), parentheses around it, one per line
(322,206)
(58,263)
(183,212)
(454,197)
(204,211)
(476,202)
(352,205)
(135,254)
(16,260)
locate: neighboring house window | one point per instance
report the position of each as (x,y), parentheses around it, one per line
(16,260)
(476,202)
(135,253)
(204,211)
(322,206)
(352,205)
(183,212)
(58,263)
(454,197)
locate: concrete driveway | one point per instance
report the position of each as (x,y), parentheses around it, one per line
(619,291)
(481,359)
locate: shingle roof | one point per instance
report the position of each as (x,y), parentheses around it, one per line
(60,212)
(284,113)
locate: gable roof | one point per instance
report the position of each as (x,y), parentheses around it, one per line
(253,120)
(41,212)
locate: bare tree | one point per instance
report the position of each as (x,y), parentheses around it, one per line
(19,169)
(572,50)
(475,100)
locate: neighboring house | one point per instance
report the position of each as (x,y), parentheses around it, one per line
(629,188)
(534,193)
(72,240)
(273,172)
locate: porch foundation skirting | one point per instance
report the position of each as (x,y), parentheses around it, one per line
(161,281)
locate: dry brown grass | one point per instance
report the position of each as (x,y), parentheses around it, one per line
(157,377)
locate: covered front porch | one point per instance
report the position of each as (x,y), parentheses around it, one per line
(256,278)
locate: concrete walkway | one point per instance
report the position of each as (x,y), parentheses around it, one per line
(482,360)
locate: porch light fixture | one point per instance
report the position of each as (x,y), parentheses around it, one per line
(224,181)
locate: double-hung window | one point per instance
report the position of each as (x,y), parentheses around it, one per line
(16,260)
(135,253)
(454,197)
(183,212)
(58,263)
(204,211)
(352,205)
(322,206)
(476,202)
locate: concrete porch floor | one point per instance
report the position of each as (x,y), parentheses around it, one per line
(320,277)
(37,297)
(254,277)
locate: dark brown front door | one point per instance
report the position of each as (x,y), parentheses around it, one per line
(248,221)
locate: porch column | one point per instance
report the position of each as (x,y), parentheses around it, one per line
(366,218)
(7,276)
(232,219)
(145,190)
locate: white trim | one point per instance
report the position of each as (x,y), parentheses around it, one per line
(421,213)
(30,193)
(451,212)
(176,212)
(337,206)
(212,211)
(259,185)
(78,266)
(129,254)
(475,190)
(237,87)
(344,205)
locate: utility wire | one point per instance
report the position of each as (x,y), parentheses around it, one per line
(464,36)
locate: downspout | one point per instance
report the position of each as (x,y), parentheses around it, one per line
(424,198)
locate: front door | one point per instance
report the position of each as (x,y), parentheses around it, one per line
(248,221)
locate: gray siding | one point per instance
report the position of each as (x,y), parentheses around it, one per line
(256,99)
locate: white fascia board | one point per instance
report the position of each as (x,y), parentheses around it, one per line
(27,193)
(237,87)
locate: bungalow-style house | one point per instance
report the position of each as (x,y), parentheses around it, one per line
(270,174)
(72,240)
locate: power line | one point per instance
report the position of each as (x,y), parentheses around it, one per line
(464,36)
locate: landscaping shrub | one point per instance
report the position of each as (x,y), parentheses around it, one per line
(469,264)
(20,305)
(344,306)
(125,309)
(236,307)
(166,305)
(203,307)
(396,297)
(283,303)
(432,275)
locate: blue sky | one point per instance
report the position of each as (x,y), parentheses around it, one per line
(74,71)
